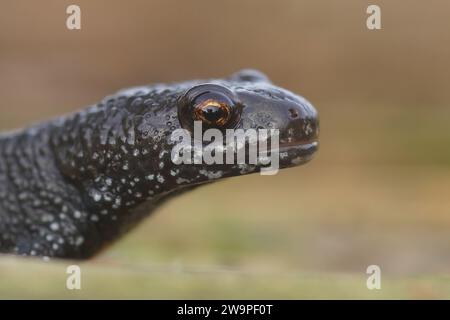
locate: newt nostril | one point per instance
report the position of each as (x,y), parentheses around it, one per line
(293,113)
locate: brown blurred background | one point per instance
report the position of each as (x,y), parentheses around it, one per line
(377,193)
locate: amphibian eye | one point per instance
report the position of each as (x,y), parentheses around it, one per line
(212,110)
(214,105)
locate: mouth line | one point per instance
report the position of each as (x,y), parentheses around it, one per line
(308,146)
(301,148)
(304,148)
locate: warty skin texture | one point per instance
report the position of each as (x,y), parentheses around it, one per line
(72,185)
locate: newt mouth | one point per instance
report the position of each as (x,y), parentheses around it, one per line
(293,154)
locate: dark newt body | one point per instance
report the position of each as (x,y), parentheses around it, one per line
(72,185)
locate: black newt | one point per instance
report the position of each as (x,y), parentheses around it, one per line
(71,185)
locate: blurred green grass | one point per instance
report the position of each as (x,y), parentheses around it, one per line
(106,281)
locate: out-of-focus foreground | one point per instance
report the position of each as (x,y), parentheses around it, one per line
(375,194)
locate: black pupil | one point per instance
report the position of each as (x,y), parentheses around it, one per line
(213,113)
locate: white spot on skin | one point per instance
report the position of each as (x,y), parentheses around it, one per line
(211,174)
(162,153)
(182,180)
(54,226)
(77,214)
(160,178)
(297,160)
(150,177)
(79,241)
(96,195)
(308,129)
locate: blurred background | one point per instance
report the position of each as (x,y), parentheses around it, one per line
(376,193)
